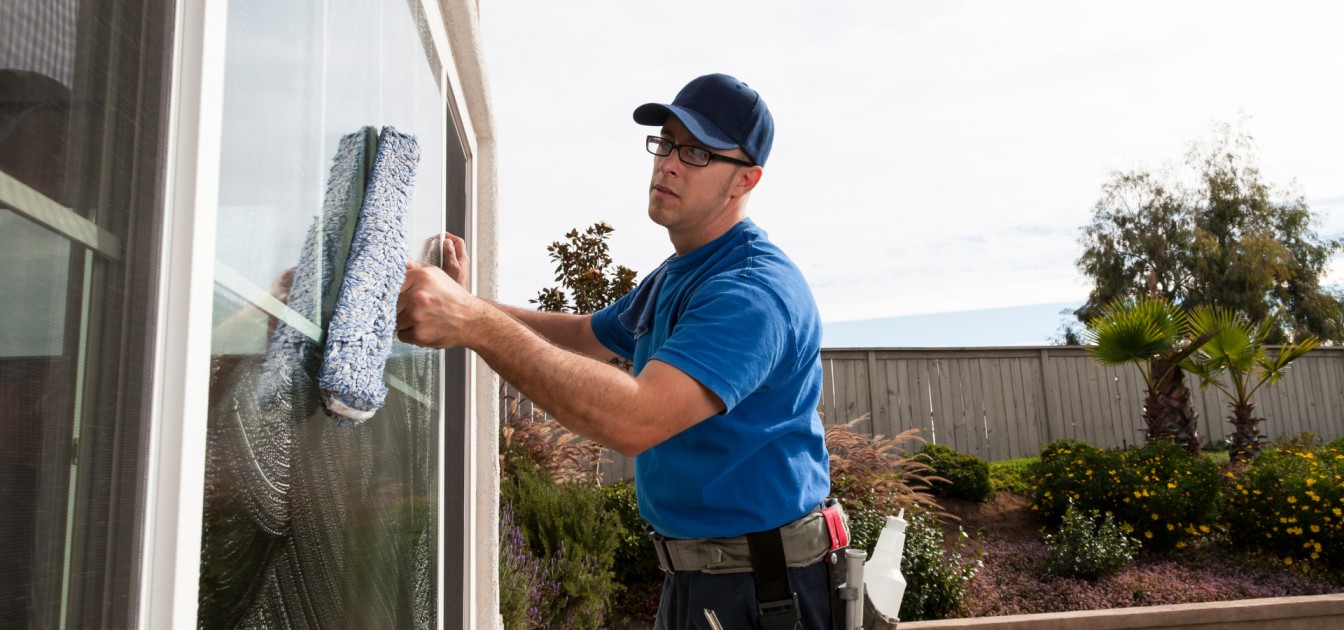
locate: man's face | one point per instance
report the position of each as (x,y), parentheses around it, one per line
(683,197)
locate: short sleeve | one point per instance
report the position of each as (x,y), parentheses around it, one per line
(609,331)
(730,338)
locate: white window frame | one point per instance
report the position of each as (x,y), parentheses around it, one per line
(174,487)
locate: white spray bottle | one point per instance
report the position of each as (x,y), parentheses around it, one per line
(882,577)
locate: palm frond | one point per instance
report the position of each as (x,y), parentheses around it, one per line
(1133,331)
(1234,343)
(1274,369)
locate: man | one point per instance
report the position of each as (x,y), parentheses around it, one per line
(721,410)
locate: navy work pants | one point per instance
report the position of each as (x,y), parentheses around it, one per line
(732,597)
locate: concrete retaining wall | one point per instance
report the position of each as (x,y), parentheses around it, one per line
(1279,613)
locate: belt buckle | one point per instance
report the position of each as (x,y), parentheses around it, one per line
(660,549)
(780,615)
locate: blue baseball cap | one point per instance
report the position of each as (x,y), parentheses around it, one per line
(720,112)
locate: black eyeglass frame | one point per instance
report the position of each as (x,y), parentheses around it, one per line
(684,149)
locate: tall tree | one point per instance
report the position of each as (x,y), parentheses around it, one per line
(584,268)
(1212,235)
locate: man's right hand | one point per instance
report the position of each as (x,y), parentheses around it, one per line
(434,311)
(448,252)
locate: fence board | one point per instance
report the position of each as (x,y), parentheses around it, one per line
(1019,400)
(991,425)
(1057,419)
(923,391)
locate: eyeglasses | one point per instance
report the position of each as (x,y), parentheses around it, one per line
(694,156)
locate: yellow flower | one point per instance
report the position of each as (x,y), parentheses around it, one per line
(1288,561)
(1315,529)
(1155,516)
(1148,534)
(1180,545)
(1204,528)
(1292,499)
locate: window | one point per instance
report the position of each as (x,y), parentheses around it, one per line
(83,91)
(307,522)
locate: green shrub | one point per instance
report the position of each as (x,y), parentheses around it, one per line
(1065,446)
(1336,444)
(635,560)
(1088,545)
(567,524)
(1304,441)
(1158,492)
(1067,475)
(526,589)
(1290,502)
(1013,475)
(967,476)
(936,576)
(866,509)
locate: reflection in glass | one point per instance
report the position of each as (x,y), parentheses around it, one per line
(83,94)
(308,524)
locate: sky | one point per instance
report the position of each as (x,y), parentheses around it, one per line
(929,157)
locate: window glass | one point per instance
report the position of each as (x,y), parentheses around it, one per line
(83,88)
(307,523)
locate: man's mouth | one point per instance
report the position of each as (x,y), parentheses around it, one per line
(664,190)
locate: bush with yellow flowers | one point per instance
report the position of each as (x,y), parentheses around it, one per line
(1160,495)
(1290,501)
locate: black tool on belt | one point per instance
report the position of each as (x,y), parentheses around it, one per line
(776,602)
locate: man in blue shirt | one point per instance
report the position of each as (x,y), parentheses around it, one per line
(720,411)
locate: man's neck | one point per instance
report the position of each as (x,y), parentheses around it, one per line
(685,243)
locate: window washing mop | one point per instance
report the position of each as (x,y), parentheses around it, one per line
(363,322)
(292,356)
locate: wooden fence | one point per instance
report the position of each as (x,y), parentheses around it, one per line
(1003,403)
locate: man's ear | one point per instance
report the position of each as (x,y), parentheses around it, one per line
(748,177)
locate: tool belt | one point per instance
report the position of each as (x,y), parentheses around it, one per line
(820,534)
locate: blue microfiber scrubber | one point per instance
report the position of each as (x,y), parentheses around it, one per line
(363,324)
(292,355)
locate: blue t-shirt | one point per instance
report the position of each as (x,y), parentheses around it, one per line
(737,316)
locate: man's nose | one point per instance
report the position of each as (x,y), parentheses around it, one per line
(670,164)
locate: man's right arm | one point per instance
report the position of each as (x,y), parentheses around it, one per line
(573,332)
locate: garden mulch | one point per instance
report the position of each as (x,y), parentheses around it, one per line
(1011,582)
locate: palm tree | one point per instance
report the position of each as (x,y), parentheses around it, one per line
(1238,348)
(1153,334)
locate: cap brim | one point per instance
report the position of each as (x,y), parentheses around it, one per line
(700,128)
